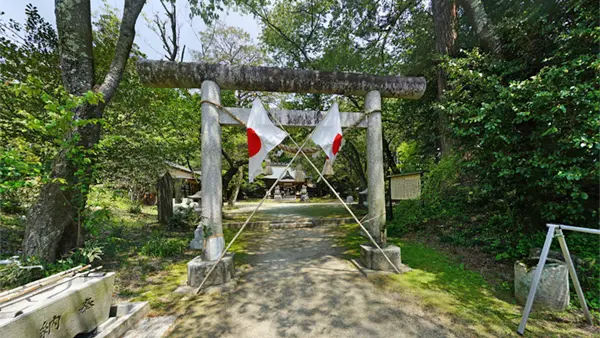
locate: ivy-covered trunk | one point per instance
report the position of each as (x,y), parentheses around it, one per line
(238,180)
(54,221)
(444,20)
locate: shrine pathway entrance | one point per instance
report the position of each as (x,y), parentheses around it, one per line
(299,286)
(211,78)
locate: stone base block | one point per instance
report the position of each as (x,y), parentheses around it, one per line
(197,269)
(373,259)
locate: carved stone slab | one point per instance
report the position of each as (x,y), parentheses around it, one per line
(65,310)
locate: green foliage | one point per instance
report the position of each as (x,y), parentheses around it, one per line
(17,178)
(135,209)
(525,128)
(184,219)
(159,246)
(13,275)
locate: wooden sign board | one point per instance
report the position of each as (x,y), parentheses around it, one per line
(405,186)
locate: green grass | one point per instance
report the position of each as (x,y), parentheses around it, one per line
(445,286)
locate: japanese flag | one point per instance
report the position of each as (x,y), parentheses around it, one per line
(263,136)
(328,134)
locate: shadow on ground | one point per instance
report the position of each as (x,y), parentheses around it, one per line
(298,286)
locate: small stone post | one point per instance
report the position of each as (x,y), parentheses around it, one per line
(376,197)
(212,186)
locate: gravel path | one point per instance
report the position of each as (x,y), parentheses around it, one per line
(298,286)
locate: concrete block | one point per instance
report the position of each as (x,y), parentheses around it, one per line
(123,317)
(553,290)
(373,259)
(197,268)
(61,310)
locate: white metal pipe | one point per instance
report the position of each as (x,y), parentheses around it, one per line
(573,273)
(572,228)
(536,279)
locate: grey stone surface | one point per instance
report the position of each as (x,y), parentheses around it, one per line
(198,242)
(373,259)
(123,317)
(370,272)
(375,180)
(298,285)
(271,79)
(212,186)
(293,118)
(197,269)
(553,290)
(64,310)
(154,327)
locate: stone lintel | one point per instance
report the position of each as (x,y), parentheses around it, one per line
(293,118)
(169,74)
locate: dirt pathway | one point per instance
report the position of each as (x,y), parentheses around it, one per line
(298,286)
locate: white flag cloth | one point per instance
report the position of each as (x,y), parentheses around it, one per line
(328,134)
(263,136)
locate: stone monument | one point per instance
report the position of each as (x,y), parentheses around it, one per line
(277,195)
(303,194)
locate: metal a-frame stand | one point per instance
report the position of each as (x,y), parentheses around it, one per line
(556,230)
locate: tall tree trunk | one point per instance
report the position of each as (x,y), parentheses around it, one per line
(444,20)
(239,178)
(388,155)
(482,24)
(54,221)
(165,198)
(352,155)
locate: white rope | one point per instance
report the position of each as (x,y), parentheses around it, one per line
(338,197)
(253,212)
(300,150)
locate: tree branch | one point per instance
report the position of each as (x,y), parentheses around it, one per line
(131,11)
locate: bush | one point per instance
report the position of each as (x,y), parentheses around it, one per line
(184,219)
(12,276)
(159,246)
(408,216)
(135,209)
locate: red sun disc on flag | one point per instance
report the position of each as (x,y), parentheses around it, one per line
(254,143)
(337,143)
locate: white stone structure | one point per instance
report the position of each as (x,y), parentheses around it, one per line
(191,74)
(63,310)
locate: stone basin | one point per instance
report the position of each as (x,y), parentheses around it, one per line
(61,310)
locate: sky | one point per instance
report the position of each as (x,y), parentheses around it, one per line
(145,38)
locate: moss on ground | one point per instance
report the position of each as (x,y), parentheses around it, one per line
(444,286)
(152,279)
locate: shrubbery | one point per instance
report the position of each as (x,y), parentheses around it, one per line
(525,141)
(159,246)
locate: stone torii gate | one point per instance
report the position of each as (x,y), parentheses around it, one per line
(211,78)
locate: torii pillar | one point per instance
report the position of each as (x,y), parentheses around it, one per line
(214,77)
